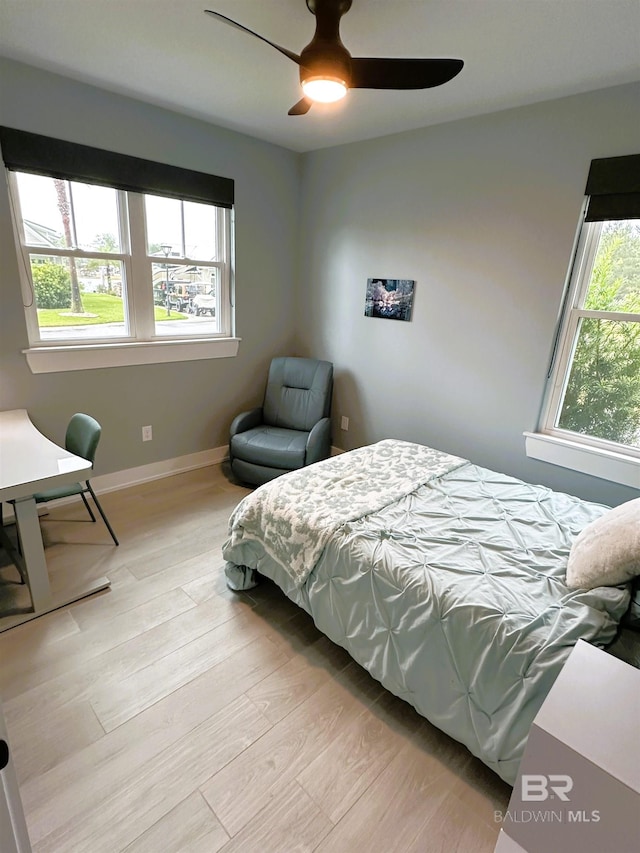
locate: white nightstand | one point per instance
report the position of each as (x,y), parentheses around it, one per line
(578,786)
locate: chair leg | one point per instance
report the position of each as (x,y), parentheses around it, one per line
(86,503)
(101,511)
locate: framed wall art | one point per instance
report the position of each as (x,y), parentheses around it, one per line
(389,298)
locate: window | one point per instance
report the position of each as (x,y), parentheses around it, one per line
(92,277)
(123,261)
(593,398)
(598,388)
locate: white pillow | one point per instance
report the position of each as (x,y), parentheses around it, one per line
(607,551)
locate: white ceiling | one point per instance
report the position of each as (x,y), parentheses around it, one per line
(168,52)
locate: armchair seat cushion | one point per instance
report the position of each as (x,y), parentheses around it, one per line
(270,446)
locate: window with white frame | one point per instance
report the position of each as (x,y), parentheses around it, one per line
(597,387)
(110,262)
(593,398)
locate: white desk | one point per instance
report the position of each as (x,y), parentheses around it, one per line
(30,463)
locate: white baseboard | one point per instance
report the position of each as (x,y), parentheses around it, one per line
(156,470)
(153,471)
(141,474)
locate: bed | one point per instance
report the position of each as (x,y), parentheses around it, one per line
(443,579)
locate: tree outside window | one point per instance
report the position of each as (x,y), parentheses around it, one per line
(602,394)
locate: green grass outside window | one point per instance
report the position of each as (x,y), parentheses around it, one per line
(101,308)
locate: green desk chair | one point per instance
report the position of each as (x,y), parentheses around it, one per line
(82,437)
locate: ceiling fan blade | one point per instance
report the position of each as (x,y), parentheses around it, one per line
(371,73)
(301,108)
(232,23)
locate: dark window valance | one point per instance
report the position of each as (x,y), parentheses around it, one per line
(613,187)
(43,155)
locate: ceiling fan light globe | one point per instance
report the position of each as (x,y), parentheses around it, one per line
(326,90)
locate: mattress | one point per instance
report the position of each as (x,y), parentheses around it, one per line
(453,597)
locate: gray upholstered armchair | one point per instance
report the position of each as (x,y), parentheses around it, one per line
(291,429)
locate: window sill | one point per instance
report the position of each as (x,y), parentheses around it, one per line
(57,359)
(606,464)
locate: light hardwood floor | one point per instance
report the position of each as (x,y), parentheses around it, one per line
(170,714)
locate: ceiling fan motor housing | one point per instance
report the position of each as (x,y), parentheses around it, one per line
(327,62)
(325,56)
(329,7)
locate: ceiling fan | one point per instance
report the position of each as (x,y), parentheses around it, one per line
(328,71)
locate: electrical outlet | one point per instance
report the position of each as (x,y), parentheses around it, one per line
(344,423)
(147,433)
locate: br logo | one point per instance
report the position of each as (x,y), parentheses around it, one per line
(536,787)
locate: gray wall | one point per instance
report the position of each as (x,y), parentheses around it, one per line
(190,404)
(482,213)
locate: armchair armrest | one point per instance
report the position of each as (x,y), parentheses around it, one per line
(245,421)
(319,442)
